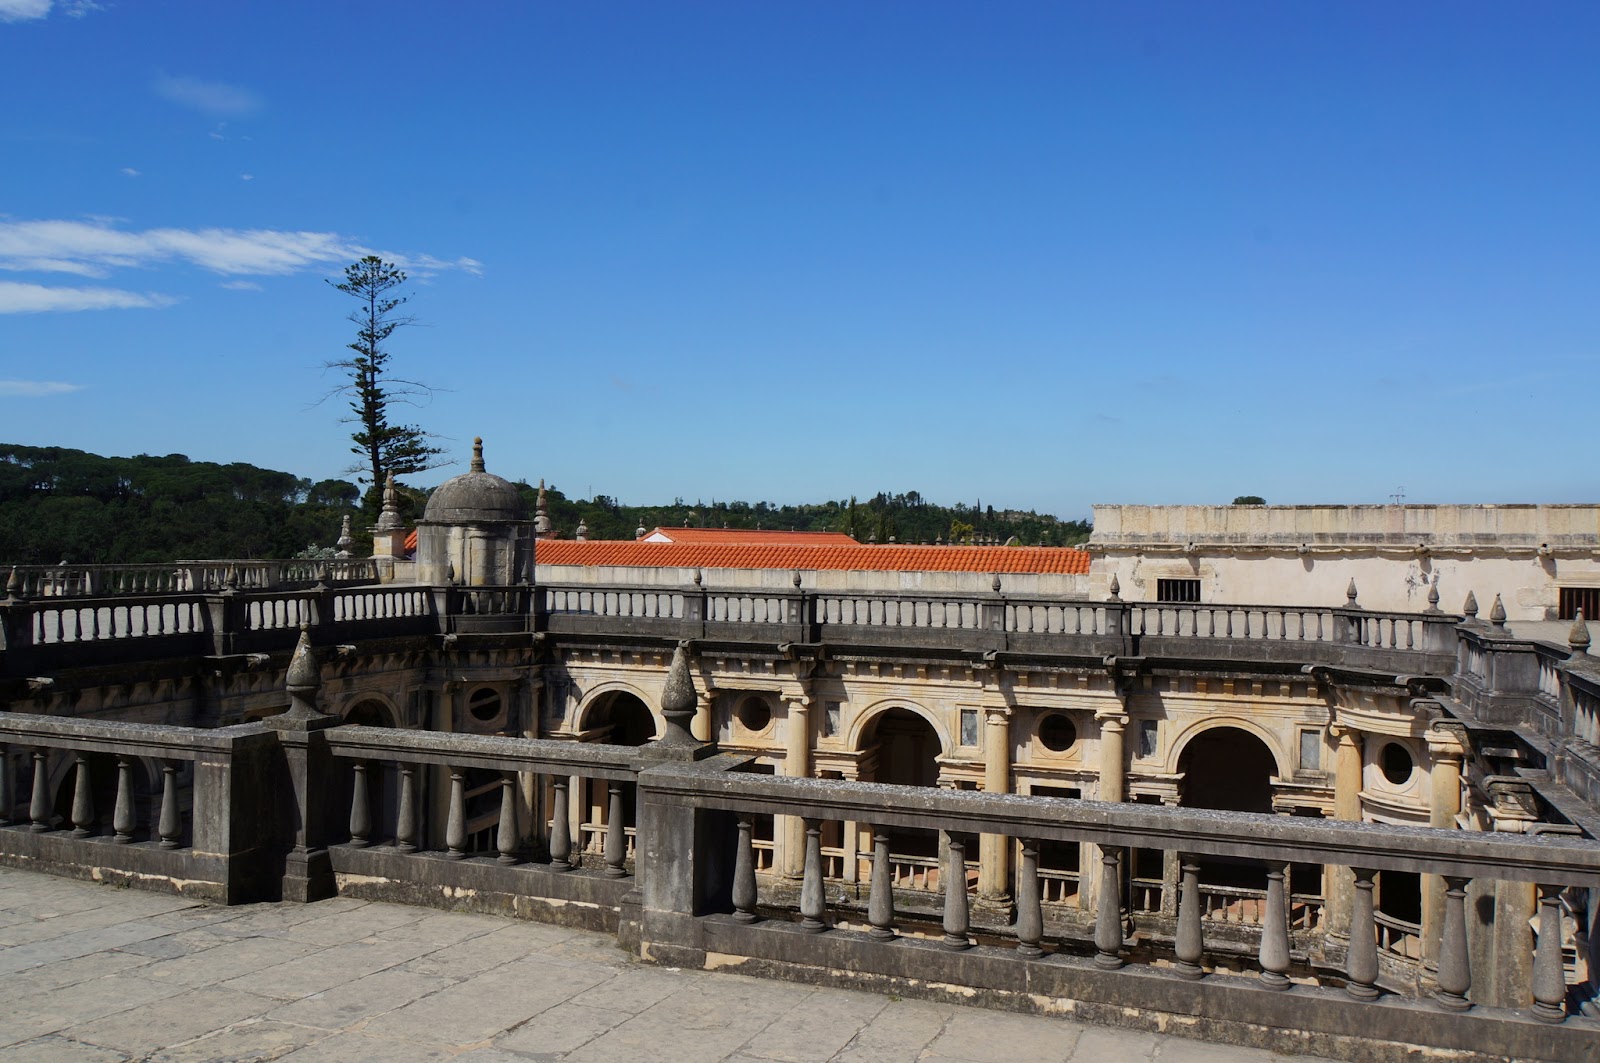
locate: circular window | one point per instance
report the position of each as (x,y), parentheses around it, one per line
(1057,733)
(754,714)
(1396,764)
(484,704)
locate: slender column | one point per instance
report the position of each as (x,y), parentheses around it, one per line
(616,853)
(122,821)
(455,829)
(82,799)
(1108,917)
(1549,981)
(1275,932)
(405,828)
(811,898)
(1361,963)
(796,765)
(1455,976)
(360,807)
(6,793)
(1190,944)
(957,919)
(994,850)
(1030,918)
(1112,786)
(1346,806)
(744,871)
(39,807)
(560,828)
(505,837)
(1445,752)
(170,826)
(700,726)
(880,900)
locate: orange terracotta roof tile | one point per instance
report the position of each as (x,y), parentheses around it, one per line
(754,537)
(857,558)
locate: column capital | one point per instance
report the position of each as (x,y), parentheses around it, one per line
(1344,734)
(997,715)
(1447,739)
(1112,719)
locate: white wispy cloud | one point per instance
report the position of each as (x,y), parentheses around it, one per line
(19,298)
(94,247)
(208,97)
(35,389)
(129,171)
(247,177)
(240,286)
(23,10)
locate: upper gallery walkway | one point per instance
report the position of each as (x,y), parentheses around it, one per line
(98,973)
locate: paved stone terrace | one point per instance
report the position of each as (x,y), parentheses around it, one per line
(93,972)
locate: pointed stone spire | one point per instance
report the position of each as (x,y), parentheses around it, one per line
(1116,588)
(1497,612)
(678,700)
(302,680)
(14,586)
(389,519)
(994,584)
(477,455)
(345,542)
(1433,594)
(1578,637)
(938,540)
(1469,608)
(541,513)
(582,534)
(1350,595)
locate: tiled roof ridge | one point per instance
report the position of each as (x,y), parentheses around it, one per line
(901,558)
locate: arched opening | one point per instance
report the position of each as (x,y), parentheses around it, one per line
(1230,769)
(902,748)
(620,718)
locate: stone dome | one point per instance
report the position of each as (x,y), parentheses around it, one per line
(475,497)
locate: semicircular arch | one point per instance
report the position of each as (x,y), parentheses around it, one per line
(600,694)
(1211,723)
(368,701)
(867,717)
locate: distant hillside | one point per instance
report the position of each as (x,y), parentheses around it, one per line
(58,504)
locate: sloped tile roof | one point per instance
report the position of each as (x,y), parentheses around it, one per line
(755,537)
(1021,559)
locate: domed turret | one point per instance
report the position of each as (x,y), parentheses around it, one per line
(476,496)
(475,530)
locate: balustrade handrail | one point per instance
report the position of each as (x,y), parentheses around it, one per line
(178,577)
(494,752)
(165,741)
(1545,859)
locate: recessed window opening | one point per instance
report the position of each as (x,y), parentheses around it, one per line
(1177,590)
(484,704)
(1396,763)
(754,714)
(1057,733)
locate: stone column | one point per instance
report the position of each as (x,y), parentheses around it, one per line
(994,850)
(701,728)
(796,765)
(1112,786)
(1446,749)
(1346,806)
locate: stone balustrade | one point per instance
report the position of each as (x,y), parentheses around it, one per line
(105,581)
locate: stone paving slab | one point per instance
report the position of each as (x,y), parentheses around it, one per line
(95,974)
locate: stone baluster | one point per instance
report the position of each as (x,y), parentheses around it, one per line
(1030,918)
(82,799)
(405,828)
(360,807)
(616,851)
(560,829)
(744,871)
(1274,955)
(1190,944)
(1108,916)
(880,900)
(1549,981)
(39,807)
(455,829)
(170,825)
(1455,976)
(811,897)
(1361,962)
(957,918)
(122,819)
(6,792)
(505,837)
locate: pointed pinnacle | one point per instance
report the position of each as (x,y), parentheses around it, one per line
(1578,637)
(477,454)
(1497,612)
(1469,608)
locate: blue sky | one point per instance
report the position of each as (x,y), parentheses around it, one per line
(1045,254)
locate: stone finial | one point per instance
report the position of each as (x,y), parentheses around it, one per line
(795,579)
(582,534)
(1469,608)
(678,700)
(1497,612)
(698,576)
(389,519)
(891,540)
(640,532)
(541,512)
(14,586)
(1578,637)
(938,540)
(1433,594)
(345,542)
(1350,594)
(303,679)
(477,454)
(230,578)
(872,540)
(994,584)
(1116,588)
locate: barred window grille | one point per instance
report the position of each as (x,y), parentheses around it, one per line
(1177,590)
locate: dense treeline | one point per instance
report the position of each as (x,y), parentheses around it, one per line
(67,505)
(907,518)
(58,504)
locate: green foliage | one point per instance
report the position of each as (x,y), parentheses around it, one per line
(910,518)
(67,505)
(1249,500)
(383,447)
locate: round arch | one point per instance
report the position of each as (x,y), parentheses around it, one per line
(1180,742)
(369,709)
(864,721)
(599,695)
